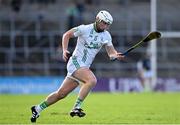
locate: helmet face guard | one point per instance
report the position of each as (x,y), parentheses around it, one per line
(104,16)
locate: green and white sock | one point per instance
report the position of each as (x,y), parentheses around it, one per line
(41,106)
(78,103)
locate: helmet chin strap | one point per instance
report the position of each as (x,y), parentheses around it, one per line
(96,26)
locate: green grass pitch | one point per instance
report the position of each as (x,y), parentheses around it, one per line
(101,108)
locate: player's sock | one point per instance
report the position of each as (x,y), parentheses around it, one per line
(41,106)
(78,103)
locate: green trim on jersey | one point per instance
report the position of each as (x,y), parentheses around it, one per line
(75,29)
(84,58)
(75,62)
(95,26)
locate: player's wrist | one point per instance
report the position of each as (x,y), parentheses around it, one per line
(65,50)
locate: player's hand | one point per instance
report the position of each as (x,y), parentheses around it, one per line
(66,55)
(120,56)
(117,56)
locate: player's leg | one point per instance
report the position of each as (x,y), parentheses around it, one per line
(141,78)
(89,79)
(67,86)
(150,85)
(148,76)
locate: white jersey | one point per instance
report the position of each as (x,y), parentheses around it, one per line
(89,43)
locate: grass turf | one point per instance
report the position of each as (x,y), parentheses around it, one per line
(101,108)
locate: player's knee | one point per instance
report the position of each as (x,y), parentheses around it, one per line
(93,82)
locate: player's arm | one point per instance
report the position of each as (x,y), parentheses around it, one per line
(112,53)
(65,41)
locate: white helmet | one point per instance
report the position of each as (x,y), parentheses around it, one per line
(105,16)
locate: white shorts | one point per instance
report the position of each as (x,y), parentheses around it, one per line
(74,64)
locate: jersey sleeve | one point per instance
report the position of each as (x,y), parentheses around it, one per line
(108,40)
(78,31)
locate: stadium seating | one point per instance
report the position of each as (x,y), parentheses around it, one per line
(29,39)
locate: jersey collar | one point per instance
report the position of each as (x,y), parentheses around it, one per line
(95,28)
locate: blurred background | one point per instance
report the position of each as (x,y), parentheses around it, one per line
(31,32)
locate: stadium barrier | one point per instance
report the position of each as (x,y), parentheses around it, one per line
(41,85)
